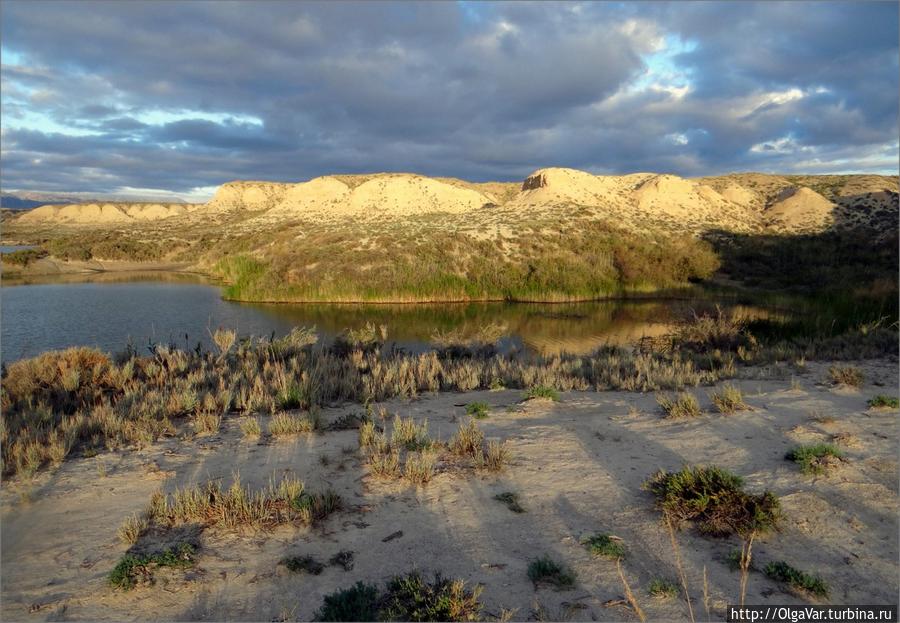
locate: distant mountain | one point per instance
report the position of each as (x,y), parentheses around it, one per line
(28,199)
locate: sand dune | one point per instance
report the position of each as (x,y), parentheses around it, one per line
(800,209)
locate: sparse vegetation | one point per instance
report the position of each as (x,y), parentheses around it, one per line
(663,589)
(406,598)
(286,424)
(545,570)
(238,506)
(849,376)
(303,564)
(884,402)
(714,499)
(250,427)
(815,458)
(132,529)
(477,410)
(729,400)
(134,569)
(682,406)
(784,573)
(605,545)
(542,391)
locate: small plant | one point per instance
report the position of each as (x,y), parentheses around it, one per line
(545,570)
(714,499)
(366,434)
(467,441)
(683,405)
(133,569)
(385,464)
(541,392)
(207,423)
(419,468)
(407,434)
(343,559)
(132,529)
(511,500)
(292,396)
(884,402)
(303,564)
(357,603)
(250,427)
(477,410)
(729,400)
(605,545)
(285,424)
(786,574)
(849,376)
(816,458)
(493,457)
(663,589)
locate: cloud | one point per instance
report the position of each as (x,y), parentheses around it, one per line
(187,95)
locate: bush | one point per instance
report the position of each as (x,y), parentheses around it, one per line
(477,410)
(683,405)
(786,574)
(662,588)
(729,400)
(849,376)
(133,569)
(357,603)
(884,402)
(605,545)
(406,598)
(545,570)
(714,499)
(411,598)
(816,458)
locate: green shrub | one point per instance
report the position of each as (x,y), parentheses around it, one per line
(411,598)
(884,402)
(662,588)
(134,568)
(357,603)
(477,410)
(786,574)
(605,545)
(816,458)
(545,570)
(715,501)
(542,391)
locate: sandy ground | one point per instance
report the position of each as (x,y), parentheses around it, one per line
(578,466)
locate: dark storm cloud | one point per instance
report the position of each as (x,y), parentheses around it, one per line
(185,95)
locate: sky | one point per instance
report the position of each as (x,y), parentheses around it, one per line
(178,97)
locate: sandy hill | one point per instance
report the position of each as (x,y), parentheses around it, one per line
(800,209)
(107,213)
(737,202)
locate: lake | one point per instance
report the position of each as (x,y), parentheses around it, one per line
(107,310)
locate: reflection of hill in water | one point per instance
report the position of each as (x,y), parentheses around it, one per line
(576,328)
(123,276)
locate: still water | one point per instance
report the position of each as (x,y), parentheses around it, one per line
(110,309)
